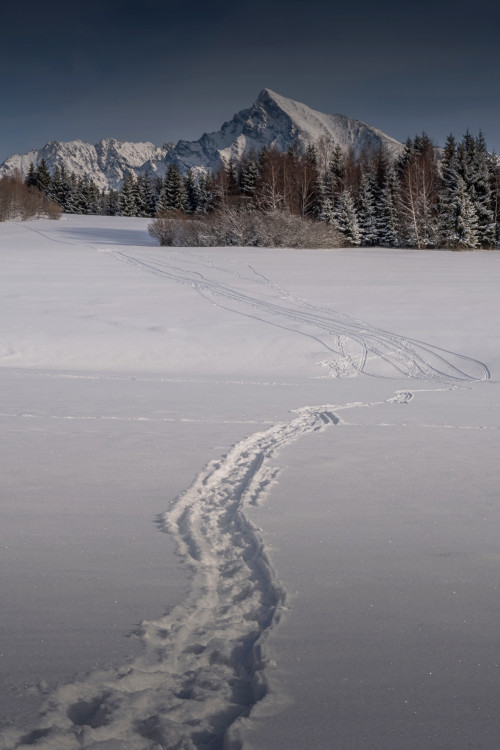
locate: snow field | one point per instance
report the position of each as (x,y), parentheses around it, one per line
(314,397)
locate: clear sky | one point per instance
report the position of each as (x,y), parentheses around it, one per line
(161,71)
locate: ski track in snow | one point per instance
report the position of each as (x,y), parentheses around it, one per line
(203,664)
(354,346)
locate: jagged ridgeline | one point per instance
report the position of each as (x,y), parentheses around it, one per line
(281,156)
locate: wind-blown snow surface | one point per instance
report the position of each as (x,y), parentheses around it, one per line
(315,431)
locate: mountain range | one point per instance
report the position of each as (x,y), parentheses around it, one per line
(272,120)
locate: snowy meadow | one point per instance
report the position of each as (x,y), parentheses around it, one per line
(249,496)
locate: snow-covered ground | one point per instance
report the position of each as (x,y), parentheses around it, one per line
(315,433)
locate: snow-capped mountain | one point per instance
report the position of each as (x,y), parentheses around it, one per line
(106,162)
(273,120)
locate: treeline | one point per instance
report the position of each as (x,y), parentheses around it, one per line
(143,195)
(425,198)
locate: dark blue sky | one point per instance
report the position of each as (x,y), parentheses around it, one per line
(160,71)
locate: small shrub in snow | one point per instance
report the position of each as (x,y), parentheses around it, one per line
(244,227)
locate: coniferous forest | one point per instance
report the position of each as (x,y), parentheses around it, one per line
(426,198)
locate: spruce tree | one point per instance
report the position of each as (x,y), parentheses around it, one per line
(466,229)
(174,189)
(367,208)
(248,176)
(325,199)
(191,192)
(42,177)
(139,194)
(203,194)
(388,231)
(447,193)
(161,197)
(346,218)
(494,171)
(472,166)
(147,196)
(336,170)
(128,205)
(312,155)
(30,177)
(54,189)
(232,188)
(110,203)
(482,194)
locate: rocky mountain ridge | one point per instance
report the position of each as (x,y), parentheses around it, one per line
(273,120)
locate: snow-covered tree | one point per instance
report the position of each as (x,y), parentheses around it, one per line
(248,176)
(41,177)
(346,218)
(145,196)
(465,230)
(388,230)
(325,210)
(367,208)
(336,169)
(175,195)
(192,195)
(128,193)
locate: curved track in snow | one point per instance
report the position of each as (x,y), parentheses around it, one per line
(354,346)
(202,667)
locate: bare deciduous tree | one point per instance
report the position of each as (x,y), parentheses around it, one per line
(18,201)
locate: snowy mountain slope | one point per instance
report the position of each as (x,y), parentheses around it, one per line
(106,162)
(272,120)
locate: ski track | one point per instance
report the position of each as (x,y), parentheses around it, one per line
(203,664)
(357,346)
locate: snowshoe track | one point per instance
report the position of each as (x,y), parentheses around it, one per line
(203,667)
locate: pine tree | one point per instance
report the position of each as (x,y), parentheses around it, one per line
(174,189)
(161,197)
(30,177)
(482,194)
(325,199)
(389,235)
(110,202)
(231,186)
(312,155)
(42,177)
(70,188)
(346,218)
(367,208)
(494,170)
(203,194)
(146,195)
(466,226)
(192,197)
(249,174)
(128,205)
(472,166)
(447,193)
(54,188)
(140,197)
(336,170)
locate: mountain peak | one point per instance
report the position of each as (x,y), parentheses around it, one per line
(272,121)
(267,94)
